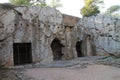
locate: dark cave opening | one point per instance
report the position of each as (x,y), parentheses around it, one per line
(56,47)
(79,48)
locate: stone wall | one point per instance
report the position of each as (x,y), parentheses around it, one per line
(105,31)
(38,26)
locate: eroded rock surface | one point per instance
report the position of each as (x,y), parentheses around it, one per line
(105,31)
(44,34)
(38,26)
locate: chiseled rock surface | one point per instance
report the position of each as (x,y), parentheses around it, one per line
(41,25)
(38,26)
(106,32)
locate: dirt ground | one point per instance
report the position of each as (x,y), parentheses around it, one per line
(93,68)
(92,72)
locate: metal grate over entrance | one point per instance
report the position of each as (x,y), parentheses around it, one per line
(22,53)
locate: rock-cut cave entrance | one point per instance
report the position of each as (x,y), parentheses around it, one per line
(56,47)
(22,53)
(79,48)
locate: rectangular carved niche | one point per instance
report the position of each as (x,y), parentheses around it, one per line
(22,53)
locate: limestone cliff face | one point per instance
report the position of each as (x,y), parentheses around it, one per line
(51,35)
(105,31)
(38,26)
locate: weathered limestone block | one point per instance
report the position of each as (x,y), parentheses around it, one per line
(45,14)
(98,22)
(7,24)
(23,32)
(105,31)
(89,22)
(2,33)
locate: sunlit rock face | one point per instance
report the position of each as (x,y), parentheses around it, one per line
(36,28)
(105,31)
(43,34)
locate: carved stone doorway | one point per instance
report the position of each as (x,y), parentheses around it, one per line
(22,53)
(79,48)
(56,47)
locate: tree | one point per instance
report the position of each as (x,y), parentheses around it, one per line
(113,11)
(38,2)
(28,2)
(55,3)
(91,8)
(20,2)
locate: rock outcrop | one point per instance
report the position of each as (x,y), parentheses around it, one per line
(38,26)
(105,31)
(43,34)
